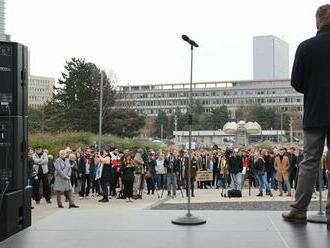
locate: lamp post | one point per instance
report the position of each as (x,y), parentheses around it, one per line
(189,219)
(100,113)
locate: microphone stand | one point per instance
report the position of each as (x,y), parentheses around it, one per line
(320,216)
(189,219)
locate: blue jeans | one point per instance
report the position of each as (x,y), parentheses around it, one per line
(221,183)
(161,181)
(286,184)
(274,183)
(262,178)
(236,181)
(171,181)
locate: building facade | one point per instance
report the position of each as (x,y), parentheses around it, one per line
(40,91)
(3,35)
(2,21)
(270,58)
(148,100)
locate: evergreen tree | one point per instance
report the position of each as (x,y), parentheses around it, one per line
(205,121)
(161,121)
(75,106)
(126,123)
(220,116)
(35,120)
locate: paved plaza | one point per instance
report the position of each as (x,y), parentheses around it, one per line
(121,224)
(86,228)
(206,199)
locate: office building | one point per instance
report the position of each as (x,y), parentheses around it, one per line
(148,100)
(270,58)
(3,36)
(40,91)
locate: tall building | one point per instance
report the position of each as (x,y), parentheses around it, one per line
(2,21)
(3,35)
(270,58)
(40,90)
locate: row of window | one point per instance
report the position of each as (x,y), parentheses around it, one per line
(40,81)
(229,101)
(38,89)
(171,110)
(35,105)
(254,92)
(38,98)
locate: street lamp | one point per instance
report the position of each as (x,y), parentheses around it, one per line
(189,219)
(100,114)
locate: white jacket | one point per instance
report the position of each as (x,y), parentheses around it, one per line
(40,161)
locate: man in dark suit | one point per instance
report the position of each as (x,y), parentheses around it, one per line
(311,77)
(171,163)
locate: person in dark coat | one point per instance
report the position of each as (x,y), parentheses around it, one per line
(127,169)
(151,174)
(171,163)
(261,172)
(193,170)
(84,167)
(292,167)
(311,77)
(106,176)
(235,170)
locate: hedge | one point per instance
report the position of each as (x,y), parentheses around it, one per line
(82,140)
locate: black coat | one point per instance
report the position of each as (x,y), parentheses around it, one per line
(311,76)
(175,168)
(128,172)
(193,168)
(235,164)
(259,166)
(107,173)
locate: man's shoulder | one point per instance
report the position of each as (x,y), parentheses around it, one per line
(309,43)
(306,44)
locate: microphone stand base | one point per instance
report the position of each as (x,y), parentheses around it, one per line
(189,220)
(317,218)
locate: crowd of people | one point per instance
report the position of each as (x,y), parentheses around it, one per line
(125,175)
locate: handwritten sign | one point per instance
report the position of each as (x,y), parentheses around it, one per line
(203,176)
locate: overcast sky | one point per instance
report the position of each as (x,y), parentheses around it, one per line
(140,40)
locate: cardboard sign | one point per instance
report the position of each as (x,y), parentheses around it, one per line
(203,176)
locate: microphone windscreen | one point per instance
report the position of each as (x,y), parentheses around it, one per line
(186,38)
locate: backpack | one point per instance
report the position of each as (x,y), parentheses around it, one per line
(234,193)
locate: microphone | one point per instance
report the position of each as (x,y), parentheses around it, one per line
(187,39)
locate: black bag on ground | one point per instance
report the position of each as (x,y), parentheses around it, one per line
(234,193)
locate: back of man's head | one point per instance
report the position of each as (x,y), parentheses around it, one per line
(323,16)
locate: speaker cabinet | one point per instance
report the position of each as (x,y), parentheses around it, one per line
(13,79)
(13,151)
(15,212)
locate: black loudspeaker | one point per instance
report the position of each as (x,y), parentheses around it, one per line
(15,206)
(13,151)
(15,214)
(13,78)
